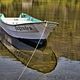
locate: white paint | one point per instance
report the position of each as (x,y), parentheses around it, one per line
(14,21)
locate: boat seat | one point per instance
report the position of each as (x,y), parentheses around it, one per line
(23,15)
(26,16)
(1,15)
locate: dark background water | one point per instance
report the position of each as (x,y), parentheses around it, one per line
(65,39)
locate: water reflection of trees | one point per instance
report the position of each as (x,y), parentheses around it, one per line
(66,12)
(11,9)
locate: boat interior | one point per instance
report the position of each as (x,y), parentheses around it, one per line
(23,18)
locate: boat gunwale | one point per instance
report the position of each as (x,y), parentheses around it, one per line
(22,23)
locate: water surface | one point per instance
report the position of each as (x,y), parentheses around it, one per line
(64,40)
(65,12)
(65,70)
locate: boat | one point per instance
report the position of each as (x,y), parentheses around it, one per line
(25,30)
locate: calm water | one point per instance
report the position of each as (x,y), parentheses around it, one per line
(64,40)
(11,70)
(66,12)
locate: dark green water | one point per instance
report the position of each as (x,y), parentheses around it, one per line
(65,39)
(65,12)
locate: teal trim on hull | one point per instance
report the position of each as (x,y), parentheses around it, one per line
(24,15)
(30,18)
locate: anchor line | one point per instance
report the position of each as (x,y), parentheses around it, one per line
(33,52)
